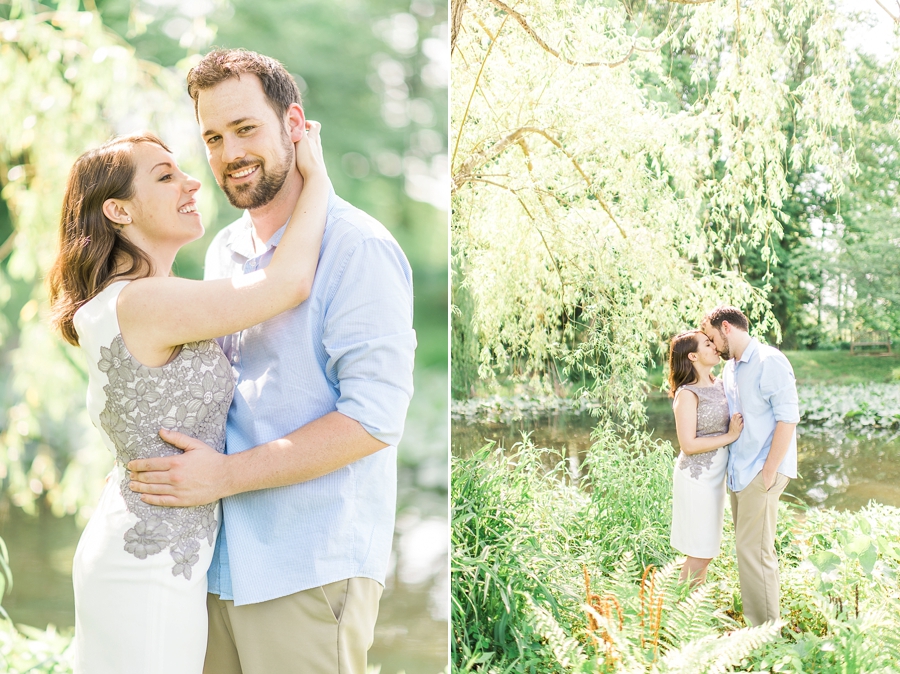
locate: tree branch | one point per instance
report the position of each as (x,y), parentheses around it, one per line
(895,18)
(462,123)
(466,170)
(7,246)
(546,47)
(562,282)
(456,13)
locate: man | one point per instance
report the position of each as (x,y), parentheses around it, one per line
(759,384)
(308,482)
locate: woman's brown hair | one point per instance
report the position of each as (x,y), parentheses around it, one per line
(681,370)
(92,251)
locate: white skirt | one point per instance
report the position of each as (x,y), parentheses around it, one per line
(698,503)
(135,616)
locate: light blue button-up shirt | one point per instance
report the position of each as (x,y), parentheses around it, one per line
(761,387)
(349,348)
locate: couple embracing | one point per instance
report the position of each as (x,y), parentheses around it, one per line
(738,430)
(254,416)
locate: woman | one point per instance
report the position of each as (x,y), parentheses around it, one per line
(704,433)
(140,570)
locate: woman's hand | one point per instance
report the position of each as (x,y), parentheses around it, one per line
(308,152)
(735,426)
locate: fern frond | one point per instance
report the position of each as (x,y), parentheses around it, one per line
(566,650)
(691,618)
(717,654)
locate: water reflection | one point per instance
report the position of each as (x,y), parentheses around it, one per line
(411,634)
(837,468)
(847,470)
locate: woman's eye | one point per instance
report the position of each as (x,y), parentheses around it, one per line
(168,176)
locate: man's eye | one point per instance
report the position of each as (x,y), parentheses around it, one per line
(245,129)
(212,139)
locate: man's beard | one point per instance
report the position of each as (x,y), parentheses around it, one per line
(252,196)
(725,353)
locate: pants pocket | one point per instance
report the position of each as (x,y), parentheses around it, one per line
(779,480)
(336,597)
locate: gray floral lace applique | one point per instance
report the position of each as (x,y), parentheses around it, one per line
(192,395)
(712,419)
(697,463)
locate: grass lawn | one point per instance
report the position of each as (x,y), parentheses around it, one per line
(827,367)
(810,367)
(842,367)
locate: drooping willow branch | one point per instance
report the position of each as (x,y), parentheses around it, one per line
(457,7)
(462,124)
(889,13)
(467,168)
(8,246)
(520,19)
(515,193)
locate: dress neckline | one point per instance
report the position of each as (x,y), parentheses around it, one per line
(712,384)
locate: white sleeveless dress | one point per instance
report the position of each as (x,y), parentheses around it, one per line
(140,570)
(698,490)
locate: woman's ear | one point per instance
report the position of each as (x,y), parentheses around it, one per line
(114,210)
(692,357)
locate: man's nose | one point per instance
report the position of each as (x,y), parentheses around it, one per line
(231,150)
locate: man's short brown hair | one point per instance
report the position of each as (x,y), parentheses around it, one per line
(221,64)
(733,315)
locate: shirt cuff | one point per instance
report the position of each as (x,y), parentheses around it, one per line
(789,413)
(379,408)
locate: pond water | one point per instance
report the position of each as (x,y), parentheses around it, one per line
(837,468)
(411,634)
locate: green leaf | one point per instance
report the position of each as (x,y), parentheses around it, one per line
(864,525)
(863,549)
(858,546)
(868,558)
(825,561)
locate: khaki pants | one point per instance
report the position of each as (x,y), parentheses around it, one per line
(324,630)
(754,512)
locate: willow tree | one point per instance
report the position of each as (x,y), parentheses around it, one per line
(67,84)
(590,220)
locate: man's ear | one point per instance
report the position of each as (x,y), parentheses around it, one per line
(116,212)
(296,121)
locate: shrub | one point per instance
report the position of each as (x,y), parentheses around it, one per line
(556,574)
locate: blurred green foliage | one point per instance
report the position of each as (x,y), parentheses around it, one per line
(542,281)
(373,73)
(73,73)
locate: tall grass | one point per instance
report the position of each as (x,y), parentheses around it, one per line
(558,572)
(523,530)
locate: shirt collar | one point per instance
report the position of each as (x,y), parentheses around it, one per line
(240,240)
(749,351)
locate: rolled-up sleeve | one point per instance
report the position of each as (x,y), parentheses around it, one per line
(369,339)
(779,388)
